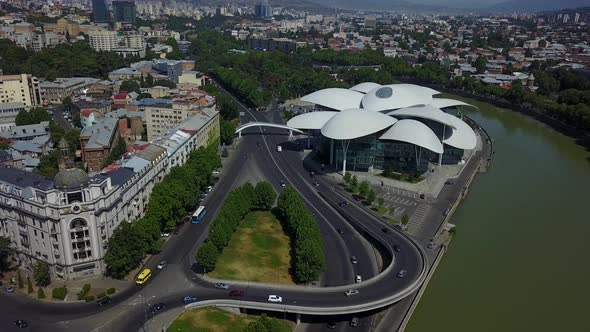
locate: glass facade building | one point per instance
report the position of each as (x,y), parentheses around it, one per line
(100,11)
(124,11)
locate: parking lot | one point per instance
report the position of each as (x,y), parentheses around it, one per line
(399,201)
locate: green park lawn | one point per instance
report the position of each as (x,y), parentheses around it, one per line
(215,320)
(259,251)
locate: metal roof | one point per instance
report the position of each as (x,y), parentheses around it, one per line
(423,112)
(394,96)
(365,87)
(312,120)
(335,98)
(355,123)
(462,136)
(414,132)
(446,102)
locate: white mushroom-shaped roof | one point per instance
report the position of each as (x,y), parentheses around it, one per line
(355,123)
(445,102)
(312,120)
(394,96)
(365,87)
(335,98)
(414,132)
(423,112)
(462,136)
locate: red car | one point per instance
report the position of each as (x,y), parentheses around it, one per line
(358,198)
(236,292)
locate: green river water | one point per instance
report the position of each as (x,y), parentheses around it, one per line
(521,258)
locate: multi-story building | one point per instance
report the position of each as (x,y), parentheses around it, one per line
(100,11)
(56,91)
(66,221)
(162,116)
(27,132)
(97,142)
(23,88)
(124,11)
(8,113)
(103,40)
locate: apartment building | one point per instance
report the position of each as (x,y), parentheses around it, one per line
(103,40)
(97,141)
(56,91)
(23,88)
(8,113)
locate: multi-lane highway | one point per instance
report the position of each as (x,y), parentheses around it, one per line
(169,286)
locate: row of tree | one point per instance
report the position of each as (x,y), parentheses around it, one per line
(237,204)
(170,200)
(306,239)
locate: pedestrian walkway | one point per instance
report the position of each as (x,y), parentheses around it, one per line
(418,217)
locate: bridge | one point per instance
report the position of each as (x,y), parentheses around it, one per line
(266,124)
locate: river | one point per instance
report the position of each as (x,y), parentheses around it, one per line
(520,259)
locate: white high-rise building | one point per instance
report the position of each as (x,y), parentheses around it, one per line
(21,88)
(103,40)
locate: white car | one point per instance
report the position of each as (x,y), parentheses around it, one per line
(162,264)
(351,292)
(358,278)
(165,234)
(275,299)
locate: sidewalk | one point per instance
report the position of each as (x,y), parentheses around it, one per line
(99,284)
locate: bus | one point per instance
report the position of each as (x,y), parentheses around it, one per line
(143,277)
(198,215)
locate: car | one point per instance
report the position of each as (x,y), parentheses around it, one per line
(331,325)
(358,279)
(450,182)
(431,245)
(316,184)
(354,322)
(165,234)
(157,308)
(103,301)
(216,172)
(162,265)
(402,273)
(283,184)
(8,289)
(353,259)
(311,174)
(236,292)
(343,204)
(396,248)
(357,198)
(258,144)
(339,230)
(385,230)
(351,292)
(275,299)
(21,323)
(221,285)
(422,196)
(189,299)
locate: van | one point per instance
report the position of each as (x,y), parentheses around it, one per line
(354,322)
(143,277)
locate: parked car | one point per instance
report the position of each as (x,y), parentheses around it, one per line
(236,292)
(343,204)
(431,245)
(221,285)
(157,308)
(358,279)
(358,198)
(103,301)
(20,323)
(340,231)
(353,259)
(449,182)
(331,325)
(311,174)
(165,234)
(316,184)
(8,289)
(422,196)
(216,172)
(351,292)
(162,265)
(283,184)
(385,230)
(402,273)
(354,322)
(396,248)
(189,299)
(275,299)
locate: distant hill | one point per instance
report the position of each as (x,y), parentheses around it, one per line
(535,5)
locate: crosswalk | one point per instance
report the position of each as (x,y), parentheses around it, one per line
(418,217)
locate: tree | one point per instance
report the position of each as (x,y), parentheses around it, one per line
(166,83)
(265,196)
(480,64)
(227,131)
(347,178)
(353,182)
(380,202)
(207,256)
(67,102)
(5,252)
(405,219)
(149,80)
(29,285)
(370,197)
(19,278)
(122,254)
(40,293)
(364,188)
(144,95)
(33,116)
(130,86)
(41,274)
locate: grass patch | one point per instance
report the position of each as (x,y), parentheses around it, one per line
(381,210)
(259,250)
(216,320)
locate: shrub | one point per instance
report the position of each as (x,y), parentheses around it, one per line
(101,295)
(84,291)
(110,291)
(19,277)
(40,293)
(89,298)
(59,293)
(29,285)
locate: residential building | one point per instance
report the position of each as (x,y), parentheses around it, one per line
(27,132)
(8,113)
(103,40)
(124,11)
(97,141)
(56,91)
(23,88)
(263,10)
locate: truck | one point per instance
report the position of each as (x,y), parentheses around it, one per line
(279,148)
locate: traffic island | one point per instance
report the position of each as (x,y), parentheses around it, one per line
(219,320)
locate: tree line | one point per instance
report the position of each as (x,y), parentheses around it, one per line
(238,203)
(170,200)
(306,239)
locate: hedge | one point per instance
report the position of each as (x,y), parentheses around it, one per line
(110,291)
(89,298)
(84,291)
(59,293)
